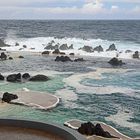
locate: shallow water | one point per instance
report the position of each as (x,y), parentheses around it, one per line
(112,107)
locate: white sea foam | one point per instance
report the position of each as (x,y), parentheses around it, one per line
(67,96)
(122,118)
(75,79)
(39,44)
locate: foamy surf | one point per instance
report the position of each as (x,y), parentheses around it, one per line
(38,44)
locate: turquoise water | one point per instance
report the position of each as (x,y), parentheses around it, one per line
(88,107)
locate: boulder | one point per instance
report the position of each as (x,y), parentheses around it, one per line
(1,77)
(24,46)
(71,46)
(21,57)
(79,60)
(136,55)
(64,47)
(86,129)
(72,54)
(26,76)
(87,49)
(62,58)
(2,44)
(10,58)
(14,77)
(3,56)
(56,51)
(38,78)
(8,97)
(112,48)
(45,52)
(98,49)
(115,62)
(16,44)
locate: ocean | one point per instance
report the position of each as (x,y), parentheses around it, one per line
(92,90)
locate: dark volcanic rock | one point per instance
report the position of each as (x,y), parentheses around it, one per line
(72,54)
(115,62)
(21,57)
(39,78)
(24,46)
(98,49)
(26,76)
(62,58)
(62,53)
(86,129)
(10,58)
(56,51)
(136,55)
(3,56)
(2,44)
(45,52)
(16,44)
(14,78)
(64,47)
(8,97)
(112,48)
(87,49)
(89,129)
(71,46)
(1,77)
(79,60)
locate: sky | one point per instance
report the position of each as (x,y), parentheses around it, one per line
(70,9)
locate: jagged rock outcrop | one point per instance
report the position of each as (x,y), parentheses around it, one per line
(64,47)
(87,49)
(112,48)
(98,49)
(26,76)
(116,62)
(136,55)
(14,77)
(56,51)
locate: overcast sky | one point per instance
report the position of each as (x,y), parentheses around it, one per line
(69,9)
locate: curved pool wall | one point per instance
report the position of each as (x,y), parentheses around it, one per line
(52,128)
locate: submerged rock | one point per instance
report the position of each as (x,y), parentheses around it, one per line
(26,76)
(8,97)
(62,58)
(1,77)
(136,55)
(79,60)
(87,49)
(39,78)
(14,77)
(98,49)
(116,62)
(112,48)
